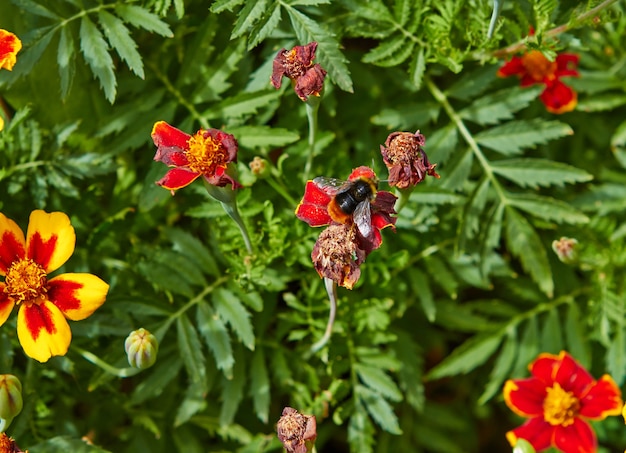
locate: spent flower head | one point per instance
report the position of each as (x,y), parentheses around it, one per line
(297,65)
(296,431)
(44,303)
(8,445)
(406,159)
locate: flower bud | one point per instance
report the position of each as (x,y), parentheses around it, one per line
(259,167)
(297,432)
(10,398)
(566,249)
(141,348)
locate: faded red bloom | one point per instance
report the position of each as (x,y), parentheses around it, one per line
(296,431)
(318,207)
(208,153)
(406,160)
(297,64)
(534,68)
(558,399)
(10,45)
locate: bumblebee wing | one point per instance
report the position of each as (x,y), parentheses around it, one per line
(329,185)
(363,218)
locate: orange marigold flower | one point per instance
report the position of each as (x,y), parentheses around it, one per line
(44,303)
(534,68)
(297,64)
(10,45)
(558,399)
(208,153)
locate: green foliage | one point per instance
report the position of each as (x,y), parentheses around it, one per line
(462,296)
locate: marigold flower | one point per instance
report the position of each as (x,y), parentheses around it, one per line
(296,431)
(406,159)
(534,68)
(297,64)
(11,402)
(8,445)
(44,304)
(10,45)
(141,348)
(566,250)
(208,153)
(558,399)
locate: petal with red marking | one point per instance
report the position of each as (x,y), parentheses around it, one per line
(572,376)
(559,98)
(177,178)
(10,45)
(575,438)
(535,431)
(77,295)
(43,331)
(313,215)
(362,172)
(50,239)
(525,396)
(168,136)
(604,398)
(6,304)
(513,67)
(171,156)
(12,243)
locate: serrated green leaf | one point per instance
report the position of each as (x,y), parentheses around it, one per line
(528,348)
(241,104)
(164,371)
(66,59)
(434,195)
(576,336)
(379,381)
(502,367)
(417,69)
(472,214)
(373,10)
(547,208)
(193,402)
(458,170)
(471,354)
(530,172)
(402,11)
(96,53)
(406,116)
(190,350)
(181,267)
(472,83)
(216,338)
(601,103)
(263,136)
(551,334)
(616,357)
(35,8)
(63,444)
(192,248)
(515,136)
(233,392)
(493,108)
(360,431)
(246,18)
(442,143)
(524,243)
(328,53)
(260,386)
(224,5)
(425,293)
(391,52)
(379,409)
(120,39)
(235,314)
(142,18)
(33,53)
(266,25)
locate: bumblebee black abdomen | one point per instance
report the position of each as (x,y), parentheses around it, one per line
(346,201)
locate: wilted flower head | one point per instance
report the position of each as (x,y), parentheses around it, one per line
(207,153)
(10,45)
(297,64)
(558,399)
(406,159)
(44,303)
(566,249)
(297,432)
(535,68)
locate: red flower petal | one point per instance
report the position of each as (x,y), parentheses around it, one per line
(603,399)
(536,431)
(565,65)
(171,156)
(313,207)
(362,172)
(177,178)
(572,376)
(10,45)
(513,67)
(168,136)
(543,367)
(6,304)
(12,243)
(559,98)
(525,396)
(575,438)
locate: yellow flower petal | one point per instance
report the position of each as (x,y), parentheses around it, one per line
(6,304)
(12,243)
(1,123)
(50,239)
(77,295)
(43,331)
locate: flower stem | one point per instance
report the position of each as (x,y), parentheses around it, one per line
(403,197)
(119,372)
(312,107)
(331,289)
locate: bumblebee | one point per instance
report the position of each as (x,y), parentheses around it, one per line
(350,200)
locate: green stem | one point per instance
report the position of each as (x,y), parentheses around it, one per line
(119,372)
(312,107)
(331,289)
(403,198)
(281,190)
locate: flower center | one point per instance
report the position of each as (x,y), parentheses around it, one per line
(294,68)
(26,281)
(205,154)
(560,407)
(538,66)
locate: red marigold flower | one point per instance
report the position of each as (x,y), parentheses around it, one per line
(44,304)
(208,153)
(534,68)
(10,45)
(297,64)
(406,160)
(558,399)
(296,431)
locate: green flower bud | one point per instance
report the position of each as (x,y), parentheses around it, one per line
(566,249)
(259,167)
(10,399)
(141,348)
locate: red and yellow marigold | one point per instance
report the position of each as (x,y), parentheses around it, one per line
(10,45)
(44,303)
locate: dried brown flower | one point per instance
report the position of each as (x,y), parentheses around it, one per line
(297,64)
(406,160)
(297,432)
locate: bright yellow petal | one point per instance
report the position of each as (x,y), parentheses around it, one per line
(77,295)
(43,331)
(12,243)
(6,304)
(1,123)
(50,239)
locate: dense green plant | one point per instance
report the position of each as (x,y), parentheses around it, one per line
(462,296)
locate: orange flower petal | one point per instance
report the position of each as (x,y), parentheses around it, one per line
(525,396)
(10,45)
(50,239)
(603,399)
(77,295)
(6,305)
(12,243)
(168,136)
(177,178)
(536,431)
(43,331)
(575,438)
